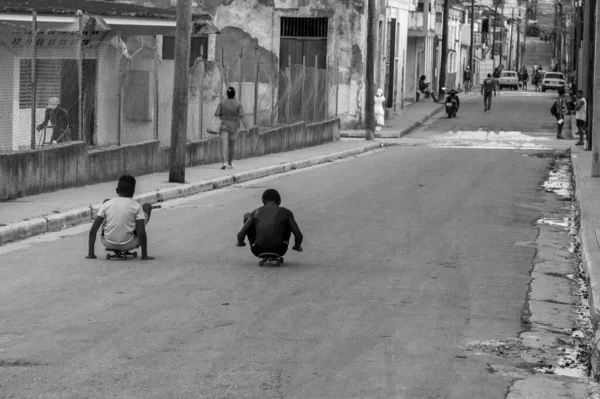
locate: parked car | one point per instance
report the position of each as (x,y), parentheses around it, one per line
(508,79)
(553,81)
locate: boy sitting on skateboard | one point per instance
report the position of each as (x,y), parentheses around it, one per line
(270,227)
(123,221)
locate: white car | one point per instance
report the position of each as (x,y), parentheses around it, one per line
(553,81)
(508,79)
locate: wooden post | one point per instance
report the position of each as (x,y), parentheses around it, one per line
(256,76)
(240,76)
(302,113)
(180,92)
(275,77)
(288,88)
(316,90)
(337,86)
(120,96)
(444,56)
(80,80)
(201,93)
(156,90)
(590,27)
(370,67)
(594,115)
(33,81)
(326,91)
(223,88)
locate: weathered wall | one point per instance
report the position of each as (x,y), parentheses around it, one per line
(134,159)
(250,25)
(48,169)
(6,98)
(70,164)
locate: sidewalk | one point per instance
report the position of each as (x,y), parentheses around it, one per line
(412,116)
(38,214)
(587,192)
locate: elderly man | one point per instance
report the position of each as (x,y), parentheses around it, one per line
(59,117)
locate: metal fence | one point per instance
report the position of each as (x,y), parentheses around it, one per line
(60,86)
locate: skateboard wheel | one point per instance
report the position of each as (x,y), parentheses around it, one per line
(108,256)
(135,254)
(281,260)
(277,263)
(261,262)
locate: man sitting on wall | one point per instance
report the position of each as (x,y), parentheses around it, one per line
(59,117)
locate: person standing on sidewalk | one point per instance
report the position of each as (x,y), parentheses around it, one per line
(379,111)
(467,79)
(559,110)
(487,88)
(231,113)
(580,116)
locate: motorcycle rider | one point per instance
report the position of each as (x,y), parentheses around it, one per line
(452,96)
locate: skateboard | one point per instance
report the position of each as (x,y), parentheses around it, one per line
(271,258)
(117,253)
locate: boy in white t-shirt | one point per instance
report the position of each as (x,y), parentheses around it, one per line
(123,221)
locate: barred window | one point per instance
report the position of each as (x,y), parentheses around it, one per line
(47,81)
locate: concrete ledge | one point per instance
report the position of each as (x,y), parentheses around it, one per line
(82,214)
(24,229)
(222,182)
(69,218)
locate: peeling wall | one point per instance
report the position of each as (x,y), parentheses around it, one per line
(253,26)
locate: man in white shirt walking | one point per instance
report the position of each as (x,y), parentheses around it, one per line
(580,116)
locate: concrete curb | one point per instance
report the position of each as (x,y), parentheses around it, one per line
(590,253)
(399,134)
(53,222)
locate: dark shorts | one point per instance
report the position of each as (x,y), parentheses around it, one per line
(580,123)
(280,249)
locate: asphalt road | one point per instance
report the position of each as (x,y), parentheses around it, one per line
(409,257)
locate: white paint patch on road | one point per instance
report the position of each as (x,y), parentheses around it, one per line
(176,202)
(493,136)
(562,222)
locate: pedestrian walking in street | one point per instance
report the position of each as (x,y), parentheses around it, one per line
(487,88)
(580,116)
(59,118)
(537,76)
(379,111)
(270,227)
(559,110)
(231,113)
(467,79)
(123,221)
(496,77)
(524,77)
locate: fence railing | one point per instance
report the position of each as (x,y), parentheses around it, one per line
(58,86)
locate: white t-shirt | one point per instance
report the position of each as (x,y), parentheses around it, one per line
(119,215)
(581,113)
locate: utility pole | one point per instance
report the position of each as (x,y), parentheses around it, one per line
(370,72)
(502,37)
(510,47)
(180,92)
(595,117)
(472,39)
(444,59)
(518,67)
(590,26)
(494,35)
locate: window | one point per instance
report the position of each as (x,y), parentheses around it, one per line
(136,102)
(47,82)
(198,45)
(304,27)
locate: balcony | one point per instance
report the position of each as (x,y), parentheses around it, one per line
(416,24)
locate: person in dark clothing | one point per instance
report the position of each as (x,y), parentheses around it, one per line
(59,117)
(487,88)
(269,228)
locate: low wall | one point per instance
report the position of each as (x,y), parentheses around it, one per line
(131,159)
(70,165)
(42,170)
